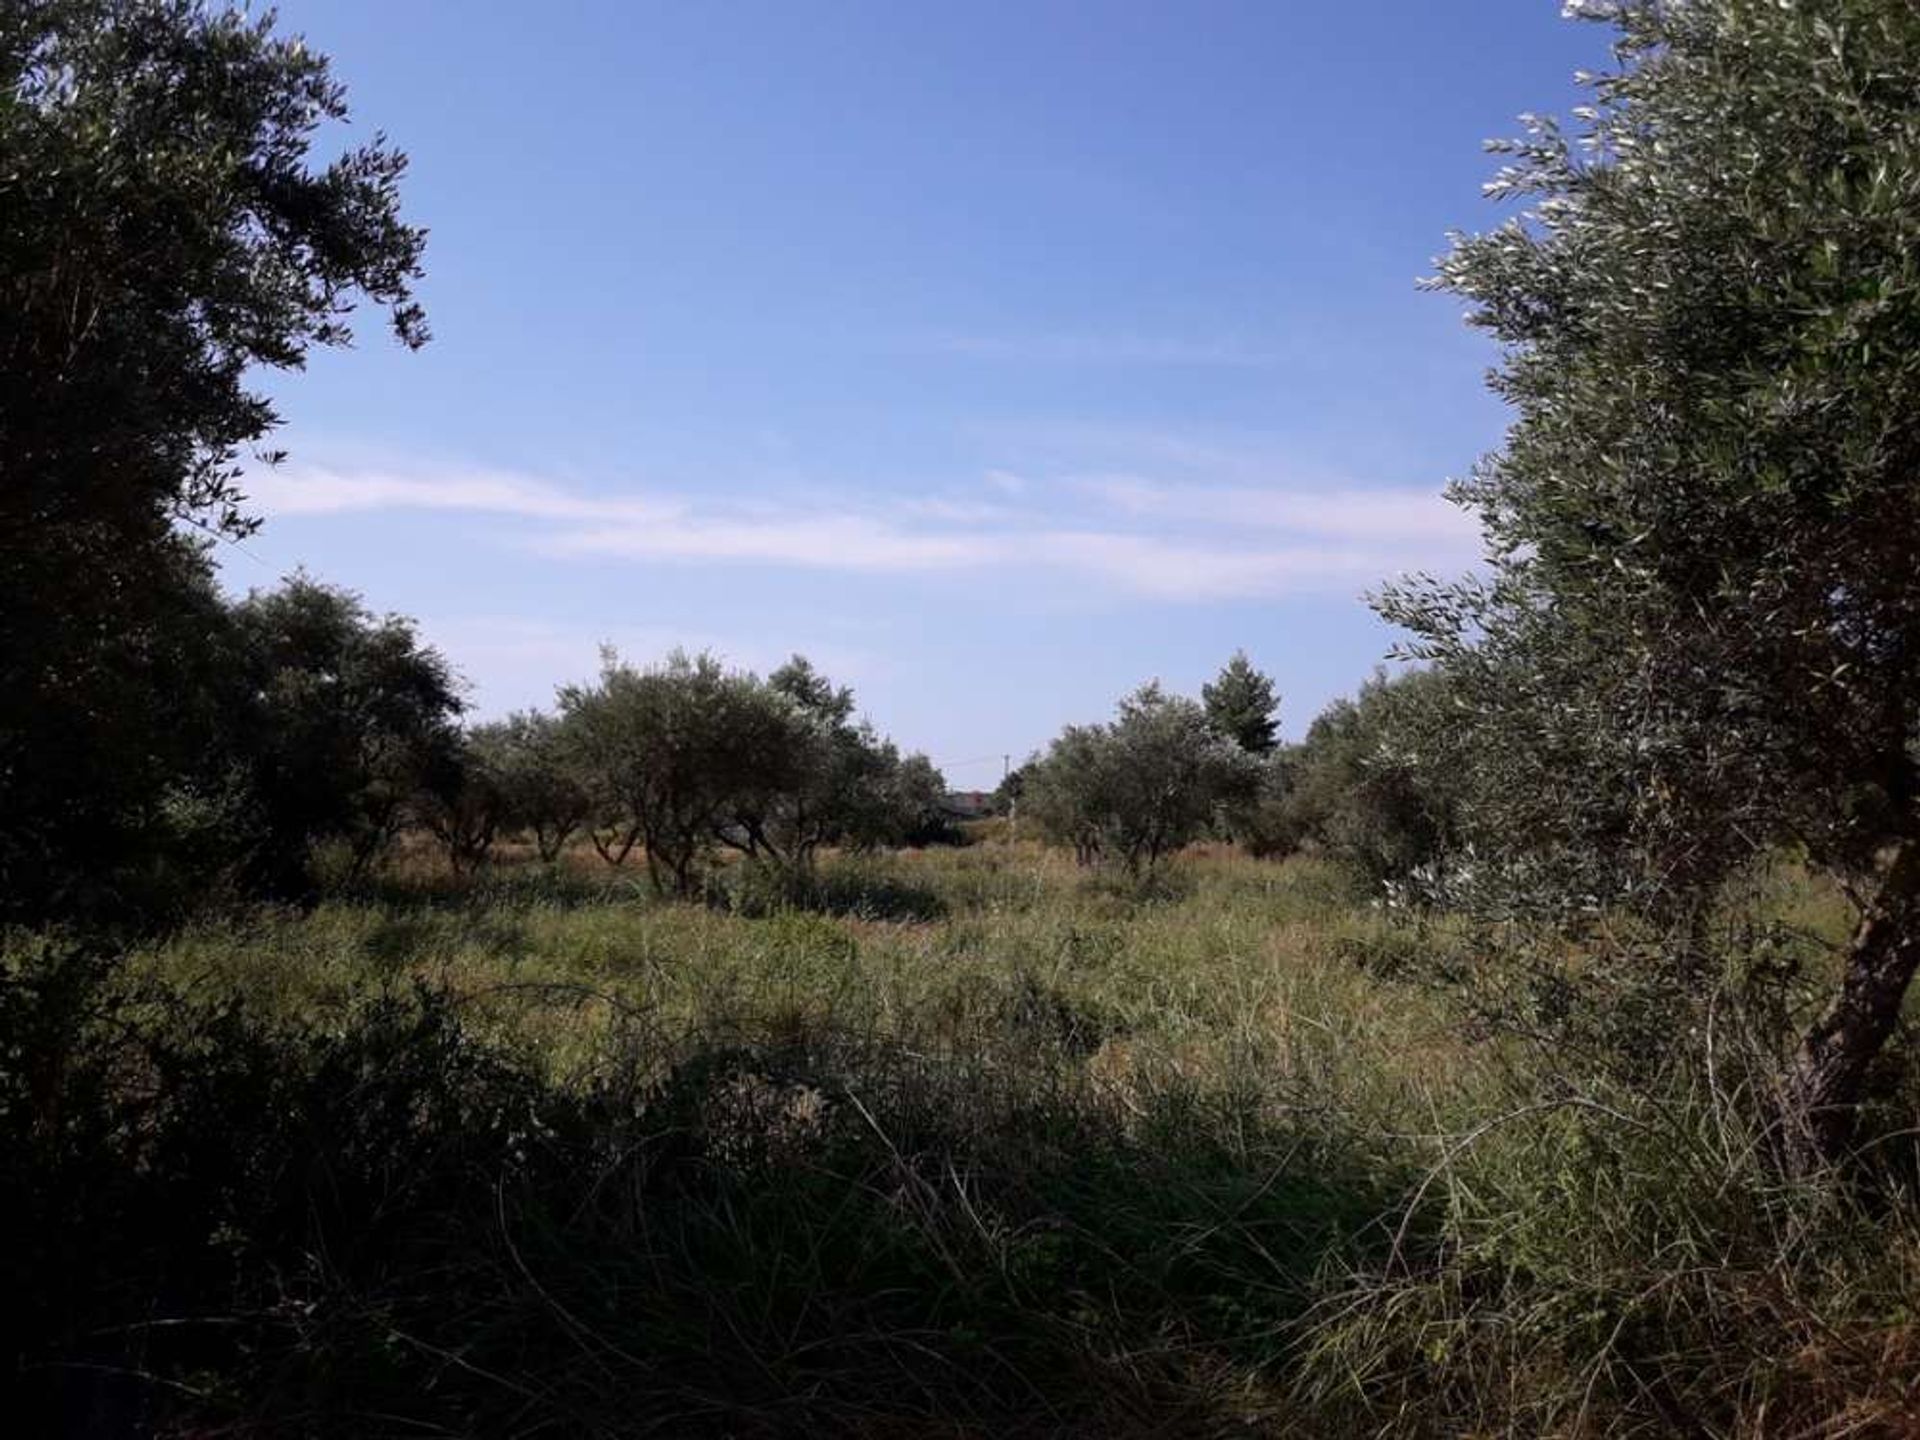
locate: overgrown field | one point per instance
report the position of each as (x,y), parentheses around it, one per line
(978,1143)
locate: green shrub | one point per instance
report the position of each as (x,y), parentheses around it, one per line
(270,1226)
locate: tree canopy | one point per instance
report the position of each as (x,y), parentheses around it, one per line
(350,714)
(1700,630)
(1242,705)
(686,756)
(165,235)
(1142,787)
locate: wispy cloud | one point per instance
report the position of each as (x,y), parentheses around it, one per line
(1142,564)
(323,490)
(1196,570)
(1059,348)
(832,542)
(1372,515)
(1120,532)
(959,511)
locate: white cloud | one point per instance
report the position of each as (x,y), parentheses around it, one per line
(1212,457)
(322,490)
(1093,349)
(959,512)
(833,542)
(1367,515)
(1121,531)
(1196,570)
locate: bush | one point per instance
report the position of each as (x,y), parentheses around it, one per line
(272,1227)
(1623,1262)
(1614,1244)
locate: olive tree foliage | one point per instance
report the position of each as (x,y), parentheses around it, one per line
(1700,631)
(851,787)
(1373,784)
(1140,788)
(1071,792)
(1242,705)
(498,779)
(660,751)
(526,756)
(687,756)
(460,800)
(1007,794)
(915,812)
(347,718)
(164,235)
(120,798)
(816,787)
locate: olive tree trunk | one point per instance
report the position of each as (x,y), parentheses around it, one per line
(1828,1074)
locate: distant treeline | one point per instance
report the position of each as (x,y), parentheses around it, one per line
(268,745)
(293,735)
(1362,786)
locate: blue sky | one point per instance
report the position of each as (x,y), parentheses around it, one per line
(997,356)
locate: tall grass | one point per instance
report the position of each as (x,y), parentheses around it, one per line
(976,1144)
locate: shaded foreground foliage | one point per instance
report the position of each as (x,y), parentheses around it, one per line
(1237,1157)
(387,1224)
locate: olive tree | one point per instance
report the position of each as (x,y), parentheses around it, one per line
(868,794)
(915,811)
(166,238)
(784,789)
(1071,791)
(1007,794)
(664,752)
(347,716)
(461,801)
(1140,788)
(540,793)
(1699,635)
(815,775)
(499,778)
(687,756)
(1374,784)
